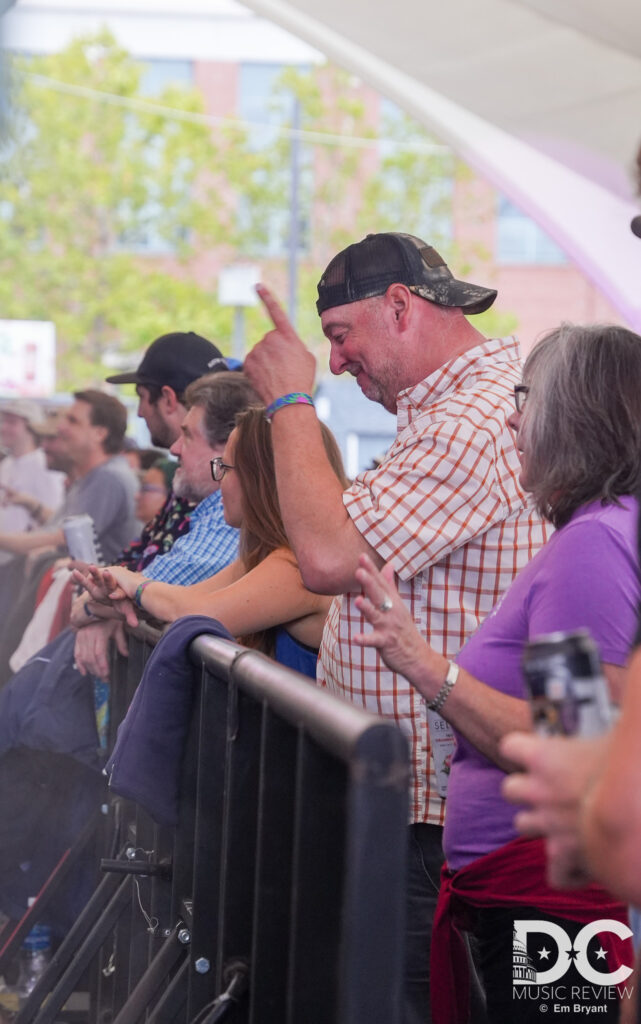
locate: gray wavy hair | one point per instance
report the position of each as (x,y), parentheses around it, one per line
(223,396)
(581,425)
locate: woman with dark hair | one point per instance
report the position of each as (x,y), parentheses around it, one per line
(578,430)
(155,485)
(260,597)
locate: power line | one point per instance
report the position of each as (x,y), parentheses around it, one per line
(158,109)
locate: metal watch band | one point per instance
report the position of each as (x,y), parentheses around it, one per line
(446,688)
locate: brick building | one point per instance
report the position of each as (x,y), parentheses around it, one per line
(234,58)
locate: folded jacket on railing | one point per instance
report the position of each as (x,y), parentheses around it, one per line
(146,761)
(48,705)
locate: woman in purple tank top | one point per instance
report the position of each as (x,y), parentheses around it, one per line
(577,423)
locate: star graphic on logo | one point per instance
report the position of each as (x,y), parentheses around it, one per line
(572,954)
(600,953)
(544,953)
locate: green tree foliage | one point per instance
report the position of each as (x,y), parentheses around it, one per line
(90,169)
(84,179)
(394,177)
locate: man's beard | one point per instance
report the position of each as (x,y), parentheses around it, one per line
(162,438)
(183,488)
(376,391)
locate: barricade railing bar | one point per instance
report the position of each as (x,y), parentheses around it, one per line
(279,897)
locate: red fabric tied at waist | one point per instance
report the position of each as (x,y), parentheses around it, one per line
(513,875)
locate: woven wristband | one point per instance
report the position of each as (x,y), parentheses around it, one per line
(139,592)
(295,398)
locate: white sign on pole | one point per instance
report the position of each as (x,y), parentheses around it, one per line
(237,284)
(27,358)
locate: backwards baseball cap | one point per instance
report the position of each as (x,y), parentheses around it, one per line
(174,360)
(368,268)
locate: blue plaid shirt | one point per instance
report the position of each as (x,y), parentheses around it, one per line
(207,548)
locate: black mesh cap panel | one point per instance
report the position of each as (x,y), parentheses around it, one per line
(369,267)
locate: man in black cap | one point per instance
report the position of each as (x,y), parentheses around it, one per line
(444,507)
(170,363)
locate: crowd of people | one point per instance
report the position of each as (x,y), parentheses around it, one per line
(505,509)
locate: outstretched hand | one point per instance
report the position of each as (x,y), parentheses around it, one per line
(91,579)
(394,634)
(279,364)
(114,587)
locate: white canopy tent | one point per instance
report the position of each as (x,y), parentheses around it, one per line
(543,97)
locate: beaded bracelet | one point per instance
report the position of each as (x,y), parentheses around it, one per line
(139,592)
(295,398)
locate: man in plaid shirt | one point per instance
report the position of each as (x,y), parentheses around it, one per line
(444,507)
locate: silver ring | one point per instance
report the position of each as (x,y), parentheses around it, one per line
(386,604)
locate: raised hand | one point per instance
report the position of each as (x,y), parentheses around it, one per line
(279,364)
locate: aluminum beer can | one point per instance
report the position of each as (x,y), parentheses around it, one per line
(80,538)
(568,691)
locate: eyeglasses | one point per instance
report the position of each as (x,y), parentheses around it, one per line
(219,468)
(521,391)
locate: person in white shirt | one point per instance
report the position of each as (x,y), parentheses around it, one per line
(29,490)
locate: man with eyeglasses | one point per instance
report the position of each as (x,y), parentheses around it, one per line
(444,507)
(169,365)
(212,403)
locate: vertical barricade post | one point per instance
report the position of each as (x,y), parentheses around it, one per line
(280,893)
(299,869)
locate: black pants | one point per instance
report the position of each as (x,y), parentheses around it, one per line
(425,859)
(508,1000)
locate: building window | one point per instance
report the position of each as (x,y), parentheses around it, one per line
(143,235)
(267,106)
(260,102)
(158,75)
(417,191)
(519,239)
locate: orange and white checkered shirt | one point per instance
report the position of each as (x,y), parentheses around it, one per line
(446,509)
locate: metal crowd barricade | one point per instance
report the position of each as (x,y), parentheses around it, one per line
(279,898)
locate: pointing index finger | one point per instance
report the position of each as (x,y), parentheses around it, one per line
(275,311)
